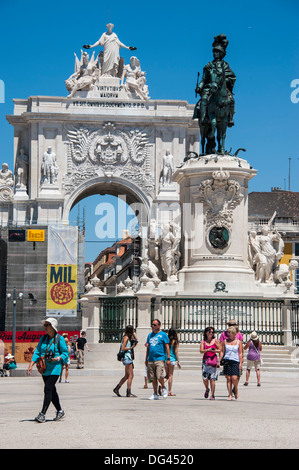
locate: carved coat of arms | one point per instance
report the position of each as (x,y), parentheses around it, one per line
(108,151)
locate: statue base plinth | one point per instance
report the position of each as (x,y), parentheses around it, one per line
(105,87)
(21,194)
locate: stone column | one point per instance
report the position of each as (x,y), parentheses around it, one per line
(91,323)
(287,323)
(144,326)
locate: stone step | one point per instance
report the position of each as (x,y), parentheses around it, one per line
(275,358)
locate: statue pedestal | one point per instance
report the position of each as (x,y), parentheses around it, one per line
(21,194)
(214,249)
(105,87)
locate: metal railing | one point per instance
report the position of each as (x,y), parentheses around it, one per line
(295,321)
(191,316)
(115,314)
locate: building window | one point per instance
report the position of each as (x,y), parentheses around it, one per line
(296,249)
(297,279)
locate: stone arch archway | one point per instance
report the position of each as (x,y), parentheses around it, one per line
(118,187)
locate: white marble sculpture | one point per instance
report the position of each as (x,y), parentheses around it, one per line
(6,183)
(111,59)
(22,169)
(265,251)
(49,168)
(167,169)
(282,272)
(220,195)
(135,79)
(85,75)
(169,249)
(6,176)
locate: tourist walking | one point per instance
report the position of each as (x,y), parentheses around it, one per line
(174,360)
(53,347)
(232,353)
(224,336)
(157,352)
(67,365)
(128,344)
(209,347)
(80,345)
(254,347)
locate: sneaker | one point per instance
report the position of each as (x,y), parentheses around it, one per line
(59,415)
(67,381)
(41,418)
(164,392)
(154,396)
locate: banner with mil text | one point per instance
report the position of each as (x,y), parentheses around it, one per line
(62,271)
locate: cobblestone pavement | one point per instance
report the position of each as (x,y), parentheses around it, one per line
(263,417)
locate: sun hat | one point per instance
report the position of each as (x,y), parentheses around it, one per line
(254,336)
(9,356)
(53,322)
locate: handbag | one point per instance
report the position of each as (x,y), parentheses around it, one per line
(121,354)
(212,361)
(41,362)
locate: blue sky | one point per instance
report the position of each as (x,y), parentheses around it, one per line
(173,41)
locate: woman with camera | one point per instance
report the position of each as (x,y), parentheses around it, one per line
(55,352)
(128,344)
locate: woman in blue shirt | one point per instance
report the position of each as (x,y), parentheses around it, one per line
(55,356)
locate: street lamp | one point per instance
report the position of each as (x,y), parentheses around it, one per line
(14,301)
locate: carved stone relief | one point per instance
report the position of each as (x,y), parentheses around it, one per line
(220,195)
(6,183)
(108,151)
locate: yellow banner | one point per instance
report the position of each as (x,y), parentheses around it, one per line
(62,287)
(34,235)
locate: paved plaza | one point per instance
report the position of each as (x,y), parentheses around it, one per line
(263,417)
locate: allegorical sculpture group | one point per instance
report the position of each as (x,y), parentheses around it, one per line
(108,63)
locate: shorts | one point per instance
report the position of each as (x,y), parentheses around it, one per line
(127,361)
(256,364)
(155,370)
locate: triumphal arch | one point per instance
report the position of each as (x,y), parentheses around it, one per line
(108,136)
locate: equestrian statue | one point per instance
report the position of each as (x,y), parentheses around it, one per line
(215,109)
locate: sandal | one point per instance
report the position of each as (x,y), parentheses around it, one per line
(170,394)
(246,383)
(206,395)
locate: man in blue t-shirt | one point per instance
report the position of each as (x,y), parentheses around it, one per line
(157,352)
